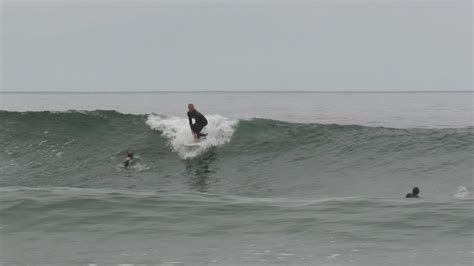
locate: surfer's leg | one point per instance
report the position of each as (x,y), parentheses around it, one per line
(195,129)
(201,134)
(203,126)
(198,128)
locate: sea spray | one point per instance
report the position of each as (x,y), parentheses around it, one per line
(177,130)
(463,193)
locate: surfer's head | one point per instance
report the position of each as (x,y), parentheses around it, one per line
(416,191)
(191,107)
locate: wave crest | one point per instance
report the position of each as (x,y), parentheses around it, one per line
(176,129)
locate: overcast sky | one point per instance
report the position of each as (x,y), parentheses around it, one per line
(236,45)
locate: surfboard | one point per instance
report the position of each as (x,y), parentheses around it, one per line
(195,143)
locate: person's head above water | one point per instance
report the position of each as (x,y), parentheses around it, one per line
(414,193)
(191,107)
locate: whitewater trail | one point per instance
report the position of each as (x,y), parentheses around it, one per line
(176,129)
(463,194)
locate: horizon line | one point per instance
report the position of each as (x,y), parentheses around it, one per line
(232,91)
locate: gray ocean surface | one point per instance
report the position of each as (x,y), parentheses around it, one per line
(284,178)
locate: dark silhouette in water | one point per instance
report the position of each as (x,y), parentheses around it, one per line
(414,193)
(129,158)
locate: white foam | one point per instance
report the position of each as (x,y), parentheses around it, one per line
(178,132)
(139,167)
(43,141)
(463,193)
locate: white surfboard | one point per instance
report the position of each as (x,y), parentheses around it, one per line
(195,143)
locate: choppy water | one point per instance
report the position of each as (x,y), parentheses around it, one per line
(261,191)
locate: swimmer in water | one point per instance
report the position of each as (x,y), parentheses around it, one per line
(414,193)
(129,158)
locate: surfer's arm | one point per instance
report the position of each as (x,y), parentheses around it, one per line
(190,120)
(191,123)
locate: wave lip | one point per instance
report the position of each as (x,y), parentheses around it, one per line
(178,132)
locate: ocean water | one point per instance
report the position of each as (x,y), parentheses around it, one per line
(282,179)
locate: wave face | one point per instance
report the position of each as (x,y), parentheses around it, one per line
(247,157)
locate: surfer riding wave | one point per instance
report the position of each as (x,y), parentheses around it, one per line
(199,121)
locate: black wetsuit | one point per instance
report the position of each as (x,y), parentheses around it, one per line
(411,195)
(129,159)
(200,122)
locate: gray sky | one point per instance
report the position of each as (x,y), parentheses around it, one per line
(236,45)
